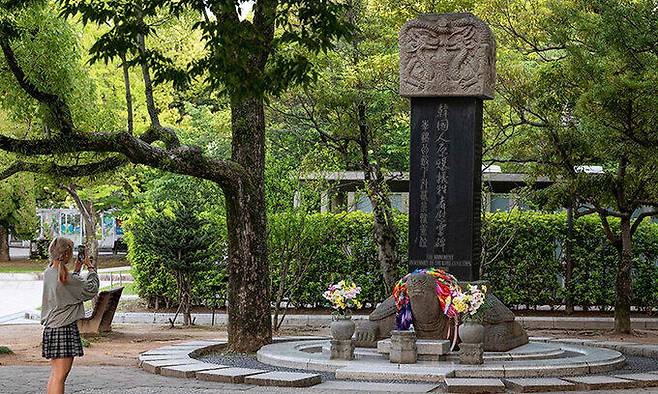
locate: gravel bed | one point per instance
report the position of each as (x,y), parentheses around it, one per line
(635,364)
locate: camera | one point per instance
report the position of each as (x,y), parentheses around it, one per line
(81,252)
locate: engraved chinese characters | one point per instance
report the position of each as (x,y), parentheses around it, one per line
(447,66)
(445,184)
(447,55)
(442,146)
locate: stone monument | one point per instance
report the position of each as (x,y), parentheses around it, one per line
(447,69)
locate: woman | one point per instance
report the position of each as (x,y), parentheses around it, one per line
(63,295)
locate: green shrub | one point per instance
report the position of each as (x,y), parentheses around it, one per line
(179,214)
(522,252)
(5,350)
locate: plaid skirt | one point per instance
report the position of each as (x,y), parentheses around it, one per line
(62,342)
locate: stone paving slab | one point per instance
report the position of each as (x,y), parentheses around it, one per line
(228,375)
(642,379)
(599,382)
(534,385)
(377,387)
(155,365)
(167,352)
(457,385)
(284,379)
(188,370)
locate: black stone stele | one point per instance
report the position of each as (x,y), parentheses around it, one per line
(445,185)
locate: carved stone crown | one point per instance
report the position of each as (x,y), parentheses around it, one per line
(447,55)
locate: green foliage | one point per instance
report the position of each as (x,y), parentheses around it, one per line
(293,26)
(17,206)
(5,350)
(178,230)
(323,248)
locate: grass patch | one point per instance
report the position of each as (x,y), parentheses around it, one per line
(29,266)
(128,288)
(5,350)
(85,342)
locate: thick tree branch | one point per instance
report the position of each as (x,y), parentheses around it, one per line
(67,171)
(640,218)
(156,131)
(184,160)
(129,99)
(59,108)
(608,230)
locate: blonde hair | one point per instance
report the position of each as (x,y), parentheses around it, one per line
(60,252)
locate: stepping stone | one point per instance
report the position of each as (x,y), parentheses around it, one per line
(376,387)
(533,385)
(167,351)
(642,379)
(188,370)
(284,379)
(154,366)
(599,382)
(475,385)
(228,375)
(154,357)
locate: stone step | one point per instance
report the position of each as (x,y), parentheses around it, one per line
(228,375)
(189,370)
(284,379)
(475,385)
(534,385)
(641,379)
(599,382)
(370,387)
(153,366)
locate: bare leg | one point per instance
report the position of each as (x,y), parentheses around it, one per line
(59,371)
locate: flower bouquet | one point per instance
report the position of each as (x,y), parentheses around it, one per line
(472,303)
(343,297)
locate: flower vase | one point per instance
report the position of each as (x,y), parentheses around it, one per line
(342,327)
(471,332)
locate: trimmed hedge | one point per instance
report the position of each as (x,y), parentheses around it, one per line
(527,270)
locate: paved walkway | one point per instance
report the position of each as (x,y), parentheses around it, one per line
(120,380)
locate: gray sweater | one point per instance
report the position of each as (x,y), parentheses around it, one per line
(62,302)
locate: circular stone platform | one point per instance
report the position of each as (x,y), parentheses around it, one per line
(535,359)
(290,362)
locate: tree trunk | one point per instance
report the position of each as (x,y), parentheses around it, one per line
(4,244)
(88,216)
(568,261)
(385,233)
(249,322)
(185,290)
(383,227)
(90,238)
(623,286)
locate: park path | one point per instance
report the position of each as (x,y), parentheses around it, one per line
(18,297)
(125,380)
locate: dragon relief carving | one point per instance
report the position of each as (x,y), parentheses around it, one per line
(447,55)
